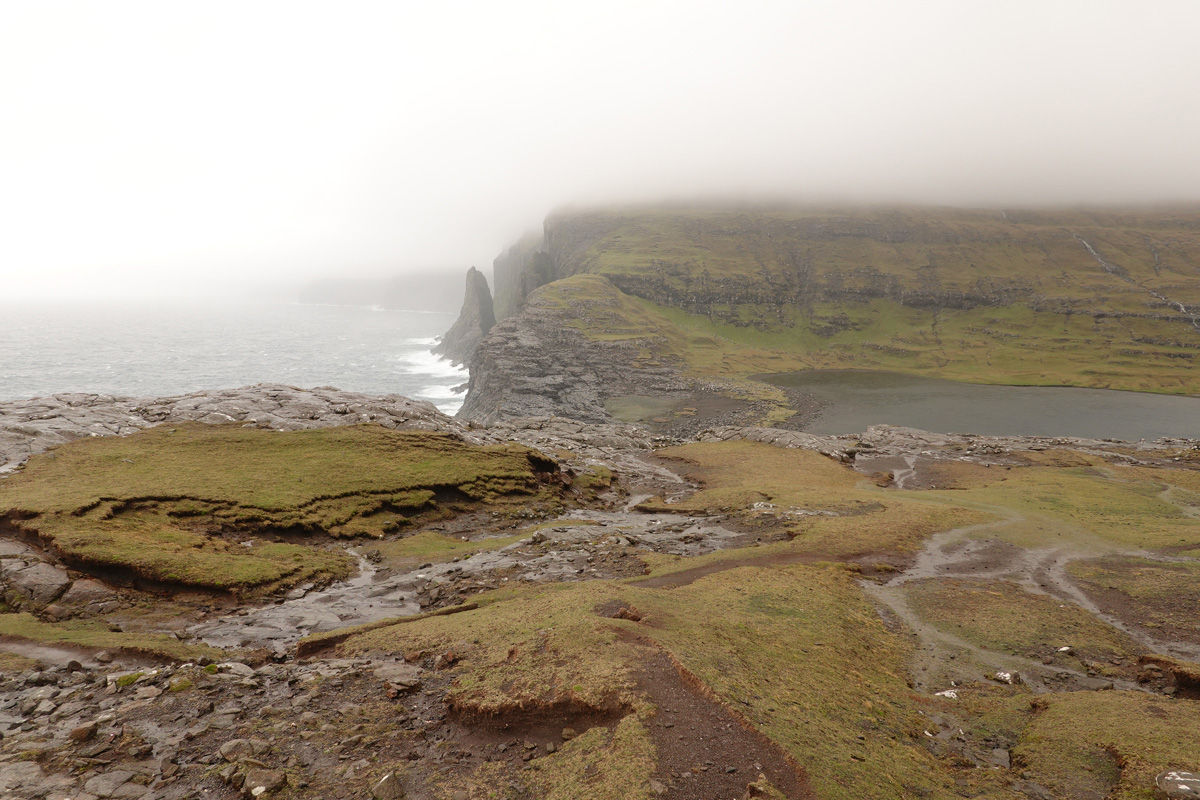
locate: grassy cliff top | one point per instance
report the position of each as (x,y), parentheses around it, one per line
(1091,298)
(956,247)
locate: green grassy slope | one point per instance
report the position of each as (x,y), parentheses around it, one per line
(787,634)
(1100,299)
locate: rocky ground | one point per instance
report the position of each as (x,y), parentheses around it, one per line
(88,722)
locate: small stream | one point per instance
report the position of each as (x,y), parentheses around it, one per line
(556,551)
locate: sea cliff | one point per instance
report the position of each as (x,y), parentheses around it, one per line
(668,296)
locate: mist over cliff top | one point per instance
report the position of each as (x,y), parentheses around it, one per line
(219,149)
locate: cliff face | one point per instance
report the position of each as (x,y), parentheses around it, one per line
(559,252)
(474,321)
(537,364)
(517,271)
(1078,298)
(709,261)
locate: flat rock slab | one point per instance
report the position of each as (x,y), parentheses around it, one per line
(106,785)
(26,779)
(399,674)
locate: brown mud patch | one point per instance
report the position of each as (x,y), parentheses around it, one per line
(705,749)
(541,724)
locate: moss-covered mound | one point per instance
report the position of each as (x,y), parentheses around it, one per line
(229,508)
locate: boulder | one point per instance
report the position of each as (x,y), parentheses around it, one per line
(84,732)
(235,749)
(260,782)
(1177,785)
(37,584)
(86,591)
(401,676)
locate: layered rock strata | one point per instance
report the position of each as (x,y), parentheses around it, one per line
(536,364)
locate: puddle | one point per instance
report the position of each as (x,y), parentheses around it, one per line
(51,656)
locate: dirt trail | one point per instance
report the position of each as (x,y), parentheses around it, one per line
(705,749)
(684,577)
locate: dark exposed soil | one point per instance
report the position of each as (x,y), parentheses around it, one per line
(706,751)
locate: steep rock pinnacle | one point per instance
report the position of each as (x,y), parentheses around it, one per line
(474,321)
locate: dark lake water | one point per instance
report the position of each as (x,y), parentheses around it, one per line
(859,398)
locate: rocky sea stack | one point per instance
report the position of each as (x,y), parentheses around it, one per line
(473,323)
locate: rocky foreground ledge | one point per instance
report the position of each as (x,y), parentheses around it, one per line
(37,424)
(34,425)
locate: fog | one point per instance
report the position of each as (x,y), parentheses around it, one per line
(236,148)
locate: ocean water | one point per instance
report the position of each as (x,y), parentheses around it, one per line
(145,349)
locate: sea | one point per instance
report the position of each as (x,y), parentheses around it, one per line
(158,349)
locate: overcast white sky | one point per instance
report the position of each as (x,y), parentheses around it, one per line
(202,147)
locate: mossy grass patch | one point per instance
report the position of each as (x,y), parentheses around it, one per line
(796,650)
(97,635)
(1004,617)
(1156,595)
(1086,507)
(232,508)
(264,471)
(825,508)
(523,649)
(11,662)
(737,475)
(1108,744)
(803,655)
(603,763)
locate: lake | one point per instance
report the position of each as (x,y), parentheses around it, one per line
(859,398)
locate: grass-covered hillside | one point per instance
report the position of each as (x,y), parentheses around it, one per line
(808,638)
(1085,298)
